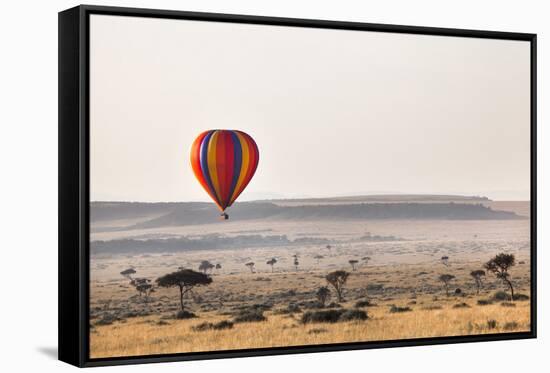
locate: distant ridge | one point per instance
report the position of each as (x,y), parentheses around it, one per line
(154,215)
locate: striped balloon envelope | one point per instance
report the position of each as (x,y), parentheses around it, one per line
(224,162)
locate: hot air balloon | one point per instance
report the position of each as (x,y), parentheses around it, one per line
(224,162)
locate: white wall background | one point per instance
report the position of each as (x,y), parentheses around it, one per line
(28,172)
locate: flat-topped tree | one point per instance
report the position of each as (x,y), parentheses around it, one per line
(338,279)
(322,295)
(296,263)
(206,266)
(445,260)
(478,275)
(218,267)
(353,264)
(271,262)
(143,286)
(499,266)
(127,273)
(185,280)
(250,266)
(446,280)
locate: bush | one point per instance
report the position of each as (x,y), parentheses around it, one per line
(202,327)
(106,319)
(461,305)
(317,331)
(507,304)
(250,316)
(311,305)
(521,297)
(364,303)
(491,324)
(511,325)
(501,295)
(225,324)
(216,326)
(330,316)
(433,307)
(396,309)
(351,315)
(484,302)
(458,291)
(183,315)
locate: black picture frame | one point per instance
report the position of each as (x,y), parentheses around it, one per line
(74,182)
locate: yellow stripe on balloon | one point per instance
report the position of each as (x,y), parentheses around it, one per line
(211,157)
(244,167)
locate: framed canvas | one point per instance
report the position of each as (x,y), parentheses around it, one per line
(236,185)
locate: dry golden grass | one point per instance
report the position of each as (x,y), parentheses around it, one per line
(141,336)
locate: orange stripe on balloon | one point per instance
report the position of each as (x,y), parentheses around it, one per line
(196,165)
(244,166)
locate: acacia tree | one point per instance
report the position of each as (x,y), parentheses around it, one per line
(366,259)
(127,273)
(499,266)
(218,267)
(296,263)
(478,275)
(250,266)
(322,295)
(271,262)
(446,279)
(445,260)
(185,280)
(206,266)
(318,258)
(353,264)
(143,286)
(338,279)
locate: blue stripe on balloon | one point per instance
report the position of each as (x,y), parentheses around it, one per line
(204,162)
(237,164)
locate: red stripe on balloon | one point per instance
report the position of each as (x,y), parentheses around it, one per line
(230,166)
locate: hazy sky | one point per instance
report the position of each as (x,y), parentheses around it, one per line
(333,112)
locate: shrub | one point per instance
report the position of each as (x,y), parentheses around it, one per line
(317,331)
(507,304)
(250,316)
(433,307)
(330,316)
(225,324)
(183,315)
(364,303)
(216,326)
(106,319)
(484,302)
(461,305)
(521,297)
(397,309)
(202,327)
(511,325)
(290,309)
(501,295)
(351,315)
(491,324)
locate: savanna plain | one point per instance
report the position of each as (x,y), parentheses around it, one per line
(171,278)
